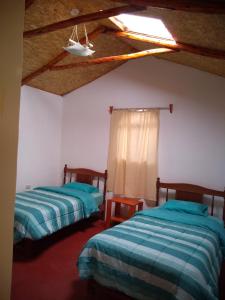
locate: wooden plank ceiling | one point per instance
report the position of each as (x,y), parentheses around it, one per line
(205,30)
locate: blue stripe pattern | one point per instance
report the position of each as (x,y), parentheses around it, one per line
(152,258)
(42,211)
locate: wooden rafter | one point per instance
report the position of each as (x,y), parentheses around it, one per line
(215,53)
(122,57)
(82,19)
(59,57)
(28,3)
(196,6)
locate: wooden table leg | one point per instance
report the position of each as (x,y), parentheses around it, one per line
(108,213)
(131,211)
(117,209)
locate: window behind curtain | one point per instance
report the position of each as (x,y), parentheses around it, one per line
(133,153)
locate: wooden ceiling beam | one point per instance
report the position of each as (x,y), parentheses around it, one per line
(60,57)
(45,67)
(28,3)
(122,57)
(195,6)
(215,53)
(82,19)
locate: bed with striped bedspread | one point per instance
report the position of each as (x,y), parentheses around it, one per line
(158,255)
(45,210)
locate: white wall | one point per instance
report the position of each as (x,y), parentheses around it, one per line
(192,139)
(39,147)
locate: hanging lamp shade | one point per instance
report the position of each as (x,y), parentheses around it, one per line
(76,48)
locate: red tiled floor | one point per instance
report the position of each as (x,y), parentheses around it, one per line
(52,274)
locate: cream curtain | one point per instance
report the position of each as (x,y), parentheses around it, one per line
(133,153)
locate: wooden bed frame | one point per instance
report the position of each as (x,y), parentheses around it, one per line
(28,248)
(184,191)
(190,192)
(86,176)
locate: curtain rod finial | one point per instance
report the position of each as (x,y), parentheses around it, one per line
(171,108)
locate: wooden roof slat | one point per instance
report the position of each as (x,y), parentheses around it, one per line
(199,38)
(195,6)
(82,19)
(215,53)
(123,57)
(60,57)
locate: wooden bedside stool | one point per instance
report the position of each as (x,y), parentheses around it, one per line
(132,204)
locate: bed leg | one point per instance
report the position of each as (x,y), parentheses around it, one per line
(91,295)
(102,212)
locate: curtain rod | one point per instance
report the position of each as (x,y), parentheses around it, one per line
(170,108)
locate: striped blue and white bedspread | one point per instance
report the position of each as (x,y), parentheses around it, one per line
(151,258)
(43,211)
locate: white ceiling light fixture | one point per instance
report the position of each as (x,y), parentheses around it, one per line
(75,47)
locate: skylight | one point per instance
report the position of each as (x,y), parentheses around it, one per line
(142,25)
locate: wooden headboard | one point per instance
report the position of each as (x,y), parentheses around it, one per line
(190,192)
(85,176)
